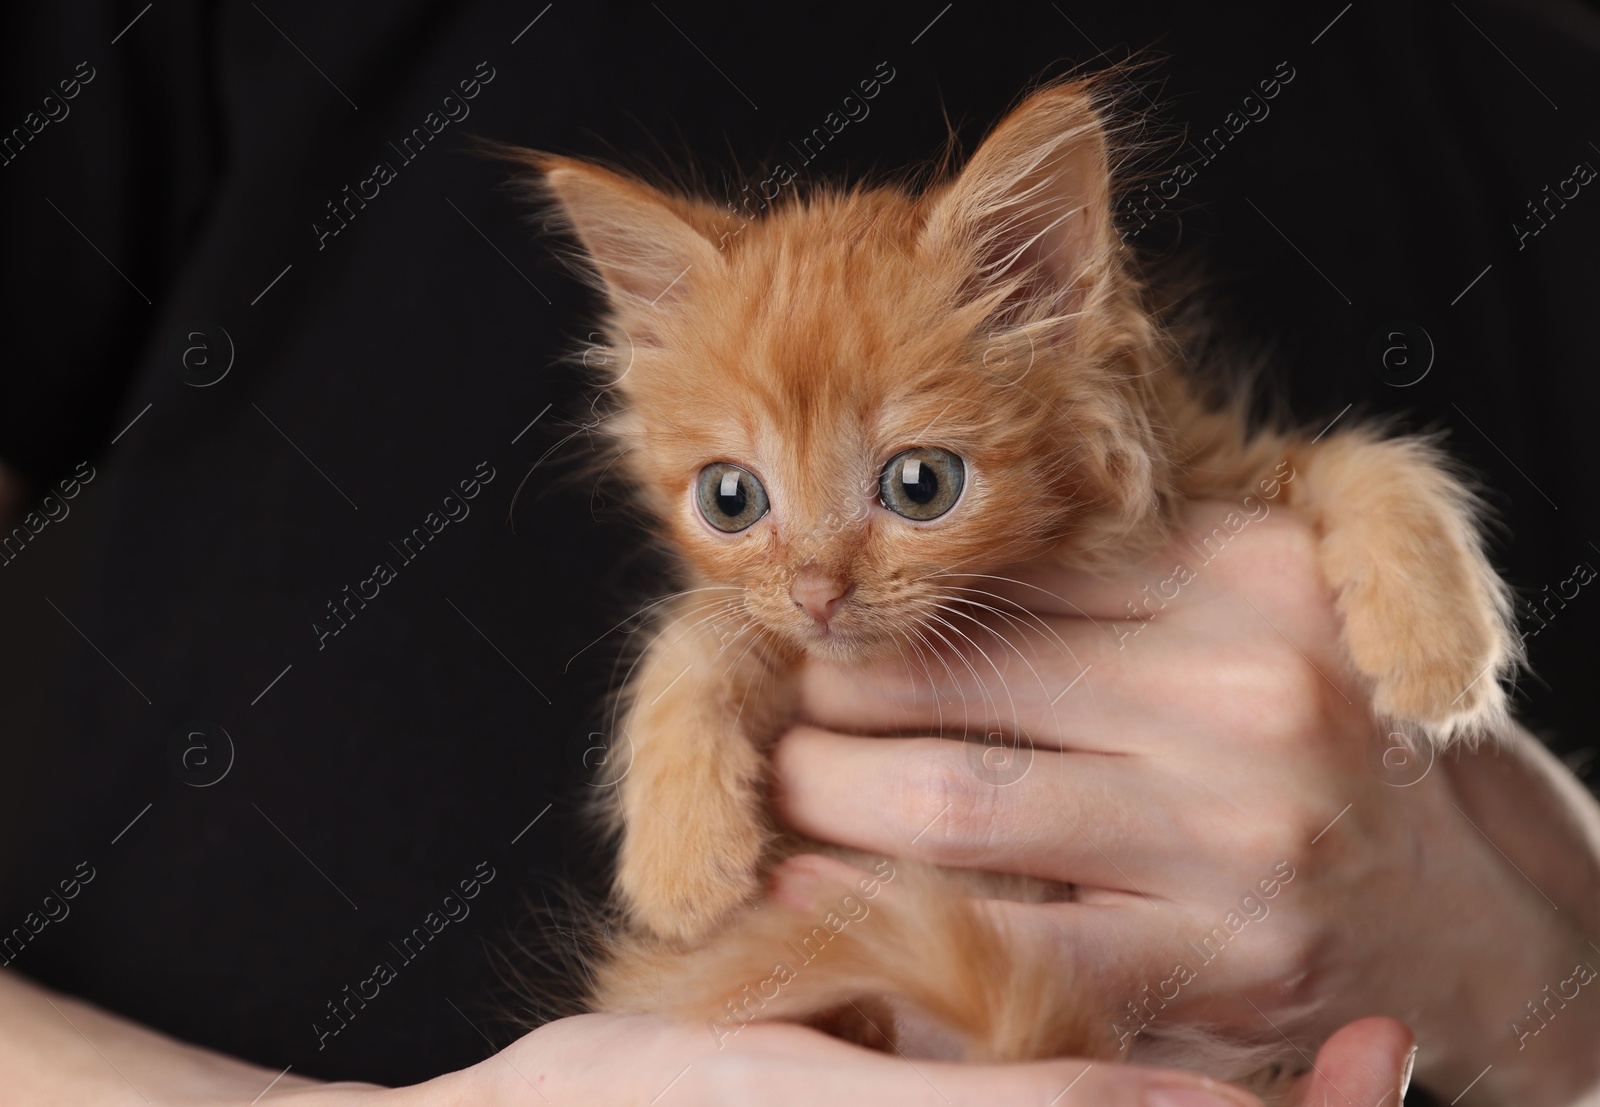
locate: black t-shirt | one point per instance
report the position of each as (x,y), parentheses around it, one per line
(299,711)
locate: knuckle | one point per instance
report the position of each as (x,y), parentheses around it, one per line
(1279,835)
(1287,539)
(951,812)
(1284,950)
(1283,696)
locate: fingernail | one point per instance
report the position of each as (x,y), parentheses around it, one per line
(1405,1073)
(1187,1097)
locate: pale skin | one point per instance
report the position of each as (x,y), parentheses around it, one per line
(1252,791)
(1198,757)
(58,1051)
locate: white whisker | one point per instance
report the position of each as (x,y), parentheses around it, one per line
(1025,584)
(1006,642)
(750,645)
(719,607)
(1046,627)
(652,604)
(945,596)
(938,701)
(1000,676)
(990,706)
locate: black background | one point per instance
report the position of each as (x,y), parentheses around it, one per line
(423,338)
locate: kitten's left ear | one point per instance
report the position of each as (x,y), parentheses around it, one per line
(1031,212)
(645,245)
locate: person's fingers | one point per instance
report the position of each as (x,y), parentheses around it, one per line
(823,1070)
(1063,817)
(1009,678)
(1216,548)
(1067,1084)
(1365,1064)
(1091,694)
(1100,945)
(574,1060)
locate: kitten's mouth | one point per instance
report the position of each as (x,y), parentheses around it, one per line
(833,642)
(833,646)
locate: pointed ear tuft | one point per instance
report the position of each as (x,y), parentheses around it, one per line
(640,241)
(1030,214)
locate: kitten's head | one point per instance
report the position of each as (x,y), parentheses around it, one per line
(839,404)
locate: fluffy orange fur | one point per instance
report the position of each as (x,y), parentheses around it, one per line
(994,314)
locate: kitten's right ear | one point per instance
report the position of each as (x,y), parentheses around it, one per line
(640,241)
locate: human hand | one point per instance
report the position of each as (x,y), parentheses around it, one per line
(605,1060)
(55,1049)
(1212,780)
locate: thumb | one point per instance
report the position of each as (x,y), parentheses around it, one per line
(1366,1064)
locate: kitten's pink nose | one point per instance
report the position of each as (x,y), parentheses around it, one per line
(818,594)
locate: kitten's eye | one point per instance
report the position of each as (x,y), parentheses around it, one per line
(922,483)
(730,498)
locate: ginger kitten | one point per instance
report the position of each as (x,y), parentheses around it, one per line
(814,417)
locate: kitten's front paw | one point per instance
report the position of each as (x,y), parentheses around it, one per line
(681,888)
(1434,665)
